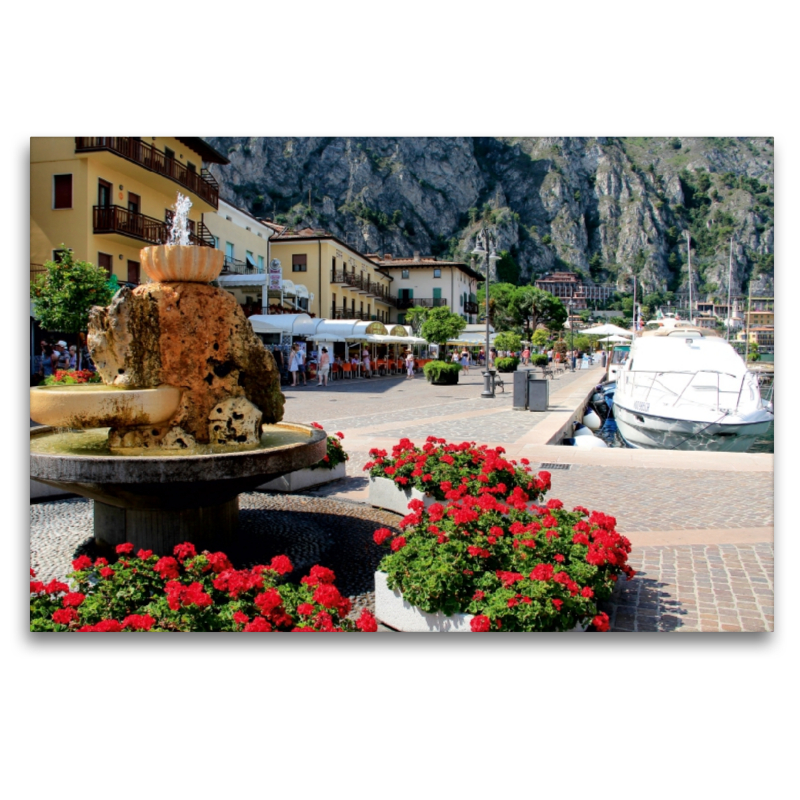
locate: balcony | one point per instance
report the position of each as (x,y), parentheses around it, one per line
(423,302)
(119,220)
(234,266)
(348,313)
(200,183)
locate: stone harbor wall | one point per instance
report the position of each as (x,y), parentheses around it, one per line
(193,336)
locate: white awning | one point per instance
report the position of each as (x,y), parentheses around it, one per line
(269,323)
(300,290)
(288,287)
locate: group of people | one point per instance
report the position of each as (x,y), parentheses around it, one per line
(462,358)
(58,356)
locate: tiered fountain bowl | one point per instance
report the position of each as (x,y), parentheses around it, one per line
(152,497)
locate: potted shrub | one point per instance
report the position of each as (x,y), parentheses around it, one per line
(332,467)
(189,592)
(439,471)
(509,364)
(442,373)
(486,563)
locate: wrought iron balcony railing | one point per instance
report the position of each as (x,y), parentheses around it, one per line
(116,219)
(200,183)
(423,302)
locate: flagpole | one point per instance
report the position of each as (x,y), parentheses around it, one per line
(730,315)
(689,254)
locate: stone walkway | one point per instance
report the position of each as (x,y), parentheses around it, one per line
(701,524)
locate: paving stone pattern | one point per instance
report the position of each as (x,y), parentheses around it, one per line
(697,588)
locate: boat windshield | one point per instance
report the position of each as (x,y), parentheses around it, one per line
(620,354)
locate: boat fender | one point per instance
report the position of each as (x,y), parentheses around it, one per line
(569,441)
(589,442)
(592,421)
(581,430)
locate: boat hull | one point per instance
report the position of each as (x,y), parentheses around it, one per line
(651,432)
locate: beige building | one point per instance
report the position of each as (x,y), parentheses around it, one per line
(344,283)
(425,281)
(246,243)
(107,197)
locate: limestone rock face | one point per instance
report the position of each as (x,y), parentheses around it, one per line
(188,335)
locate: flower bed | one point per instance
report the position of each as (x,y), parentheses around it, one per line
(442,373)
(65,377)
(512,570)
(449,471)
(189,592)
(335,453)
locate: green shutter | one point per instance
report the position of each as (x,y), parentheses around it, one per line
(437,294)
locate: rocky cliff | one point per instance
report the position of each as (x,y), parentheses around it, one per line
(605,207)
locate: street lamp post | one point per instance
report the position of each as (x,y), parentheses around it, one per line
(571,348)
(486,247)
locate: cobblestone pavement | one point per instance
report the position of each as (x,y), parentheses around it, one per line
(697,588)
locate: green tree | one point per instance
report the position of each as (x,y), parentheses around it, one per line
(540,338)
(508,341)
(65,293)
(508,270)
(440,325)
(415,316)
(752,353)
(533,307)
(500,314)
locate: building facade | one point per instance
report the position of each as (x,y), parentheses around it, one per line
(568,287)
(106,197)
(345,284)
(429,283)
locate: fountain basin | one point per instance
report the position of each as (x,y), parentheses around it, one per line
(190,264)
(97,406)
(158,501)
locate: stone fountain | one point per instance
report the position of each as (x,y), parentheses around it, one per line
(188,416)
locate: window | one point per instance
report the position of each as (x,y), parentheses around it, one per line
(251,262)
(170,154)
(229,250)
(192,167)
(133,271)
(134,203)
(104,193)
(437,273)
(62,191)
(106,261)
(404,274)
(216,241)
(299,263)
(261,263)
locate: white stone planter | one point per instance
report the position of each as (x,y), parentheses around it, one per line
(385,493)
(392,610)
(42,490)
(304,479)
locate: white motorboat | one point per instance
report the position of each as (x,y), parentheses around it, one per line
(685,388)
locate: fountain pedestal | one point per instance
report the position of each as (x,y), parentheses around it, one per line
(159,501)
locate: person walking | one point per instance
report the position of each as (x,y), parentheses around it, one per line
(465,361)
(324,367)
(73,357)
(294,361)
(526,356)
(603,359)
(409,365)
(301,363)
(367,365)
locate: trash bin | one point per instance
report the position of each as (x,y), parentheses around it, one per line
(520,401)
(538,394)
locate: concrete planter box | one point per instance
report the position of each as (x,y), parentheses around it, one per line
(40,491)
(304,479)
(385,493)
(392,610)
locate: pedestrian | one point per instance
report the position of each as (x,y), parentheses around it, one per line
(409,365)
(367,372)
(301,363)
(603,359)
(465,361)
(550,356)
(62,360)
(324,367)
(294,361)
(73,357)
(526,356)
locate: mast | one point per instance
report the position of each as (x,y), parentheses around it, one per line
(747,324)
(634,307)
(689,254)
(730,313)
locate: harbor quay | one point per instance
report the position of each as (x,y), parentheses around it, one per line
(701,524)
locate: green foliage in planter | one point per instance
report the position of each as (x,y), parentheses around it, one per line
(560,347)
(442,372)
(508,341)
(335,453)
(189,592)
(539,360)
(507,364)
(485,554)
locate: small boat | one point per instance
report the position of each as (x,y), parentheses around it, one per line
(685,388)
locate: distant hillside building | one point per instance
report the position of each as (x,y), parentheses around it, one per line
(568,286)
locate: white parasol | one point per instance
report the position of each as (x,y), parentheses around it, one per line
(606,330)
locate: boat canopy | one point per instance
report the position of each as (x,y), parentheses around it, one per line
(686,354)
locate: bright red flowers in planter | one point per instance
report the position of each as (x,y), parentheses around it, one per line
(513,569)
(334,454)
(438,466)
(190,592)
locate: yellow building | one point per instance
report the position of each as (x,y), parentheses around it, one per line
(107,197)
(344,283)
(246,243)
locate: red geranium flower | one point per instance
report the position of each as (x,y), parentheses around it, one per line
(124,549)
(258,625)
(480,624)
(63,616)
(366,622)
(166,567)
(281,565)
(143,554)
(184,551)
(81,563)
(240,618)
(139,622)
(601,621)
(398,543)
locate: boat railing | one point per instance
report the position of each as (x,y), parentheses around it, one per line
(657,385)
